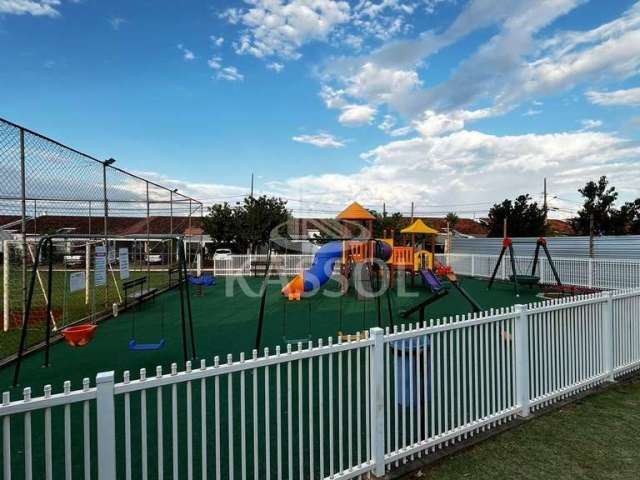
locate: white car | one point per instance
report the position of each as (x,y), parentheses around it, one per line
(153,259)
(74,260)
(222,254)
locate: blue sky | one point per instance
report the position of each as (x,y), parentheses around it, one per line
(450,104)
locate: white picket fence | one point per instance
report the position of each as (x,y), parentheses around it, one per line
(235,265)
(585,272)
(326,409)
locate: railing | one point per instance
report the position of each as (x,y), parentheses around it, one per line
(327,410)
(585,272)
(242,265)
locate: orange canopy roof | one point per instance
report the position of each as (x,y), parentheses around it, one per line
(355,211)
(419,227)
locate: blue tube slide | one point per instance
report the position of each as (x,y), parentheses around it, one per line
(323,264)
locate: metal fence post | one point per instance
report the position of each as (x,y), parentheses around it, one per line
(377,401)
(6,254)
(106,426)
(23,222)
(608,349)
(522,359)
(473,265)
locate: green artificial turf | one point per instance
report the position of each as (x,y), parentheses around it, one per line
(67,309)
(592,439)
(225,322)
(228,324)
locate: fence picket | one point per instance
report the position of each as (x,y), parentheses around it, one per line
(424,387)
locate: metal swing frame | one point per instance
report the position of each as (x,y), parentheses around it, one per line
(507,244)
(46,241)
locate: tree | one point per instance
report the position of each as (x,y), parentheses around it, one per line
(257,217)
(626,220)
(246,226)
(394,222)
(220,223)
(598,206)
(452,219)
(634,216)
(524,218)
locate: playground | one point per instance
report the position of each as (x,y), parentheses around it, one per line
(351,286)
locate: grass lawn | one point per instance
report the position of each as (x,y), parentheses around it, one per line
(66,310)
(595,438)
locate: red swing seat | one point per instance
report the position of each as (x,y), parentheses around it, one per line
(79,335)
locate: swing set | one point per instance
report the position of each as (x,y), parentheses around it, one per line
(82,332)
(523,278)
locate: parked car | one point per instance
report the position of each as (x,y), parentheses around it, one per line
(153,259)
(222,254)
(74,260)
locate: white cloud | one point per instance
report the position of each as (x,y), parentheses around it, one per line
(320,140)
(532,112)
(435,124)
(38,8)
(222,72)
(187,54)
(357,115)
(401,132)
(462,168)
(217,41)
(383,19)
(381,85)
(116,22)
(469,166)
(275,66)
(590,124)
(332,98)
(215,63)
(280,28)
(387,123)
(517,64)
(431,6)
(354,41)
(629,97)
(229,73)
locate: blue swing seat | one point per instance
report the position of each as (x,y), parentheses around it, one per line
(141,347)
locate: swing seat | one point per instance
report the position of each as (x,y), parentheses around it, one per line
(526,279)
(143,347)
(79,335)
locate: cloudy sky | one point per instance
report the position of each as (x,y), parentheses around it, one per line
(450,104)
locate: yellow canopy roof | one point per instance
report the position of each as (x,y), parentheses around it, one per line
(355,211)
(419,227)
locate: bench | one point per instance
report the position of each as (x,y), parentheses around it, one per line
(259,268)
(174,271)
(141,293)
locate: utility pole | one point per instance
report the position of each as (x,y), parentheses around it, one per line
(504,227)
(591,235)
(251,196)
(384,209)
(545,195)
(413,237)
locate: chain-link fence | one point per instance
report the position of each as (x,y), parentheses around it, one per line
(48,188)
